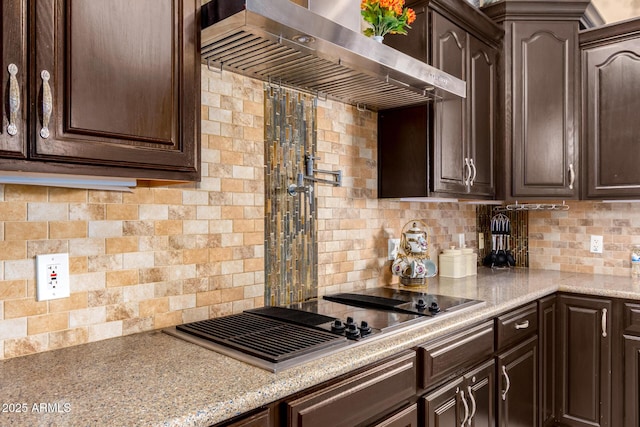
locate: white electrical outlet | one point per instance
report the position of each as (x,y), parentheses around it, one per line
(393,246)
(480,241)
(596,244)
(52,276)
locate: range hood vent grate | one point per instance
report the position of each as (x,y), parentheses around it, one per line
(260,41)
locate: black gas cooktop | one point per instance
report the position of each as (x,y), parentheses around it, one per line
(276,338)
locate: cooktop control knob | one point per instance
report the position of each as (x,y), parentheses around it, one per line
(352,331)
(420,305)
(365,329)
(349,321)
(434,308)
(337,326)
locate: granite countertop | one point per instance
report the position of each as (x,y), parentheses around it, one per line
(153,379)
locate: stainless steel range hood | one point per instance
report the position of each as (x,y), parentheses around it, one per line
(281,42)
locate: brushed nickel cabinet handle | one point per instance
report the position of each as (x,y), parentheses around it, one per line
(506,377)
(572,176)
(14,99)
(604,322)
(47,104)
(466,408)
(522,325)
(467,178)
(473,405)
(475,171)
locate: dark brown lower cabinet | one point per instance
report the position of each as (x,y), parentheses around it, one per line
(261,419)
(584,361)
(407,417)
(631,381)
(547,340)
(362,399)
(468,400)
(518,385)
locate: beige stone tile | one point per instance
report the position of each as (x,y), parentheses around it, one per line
(122,212)
(120,278)
(164,196)
(114,245)
(25,230)
(47,323)
(86,212)
(137,325)
(13,328)
(87,316)
(68,229)
(105,297)
(164,320)
(168,227)
(208,298)
(151,307)
(25,193)
(24,308)
(76,301)
(122,311)
(14,249)
(24,346)
(13,211)
(105,331)
(68,338)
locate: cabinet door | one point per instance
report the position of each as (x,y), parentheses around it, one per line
(416,44)
(518,385)
(547,327)
(449,53)
(481,392)
(544,133)
(403,159)
(407,417)
(116,82)
(360,399)
(447,405)
(584,363)
(631,381)
(13,21)
(482,112)
(611,104)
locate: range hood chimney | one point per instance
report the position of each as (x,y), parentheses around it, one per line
(285,43)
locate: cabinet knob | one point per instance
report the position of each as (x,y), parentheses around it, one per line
(14,99)
(47,104)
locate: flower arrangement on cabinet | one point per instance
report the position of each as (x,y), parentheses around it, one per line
(386,17)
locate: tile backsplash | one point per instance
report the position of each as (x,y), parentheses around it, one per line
(162,256)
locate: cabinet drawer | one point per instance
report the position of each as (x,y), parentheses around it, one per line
(632,318)
(454,353)
(362,398)
(516,325)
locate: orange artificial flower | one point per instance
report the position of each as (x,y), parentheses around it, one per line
(386,16)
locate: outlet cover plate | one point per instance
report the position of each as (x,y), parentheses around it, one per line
(596,244)
(393,246)
(52,276)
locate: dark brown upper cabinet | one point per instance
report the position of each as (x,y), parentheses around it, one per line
(539,117)
(14,76)
(111,88)
(610,105)
(445,148)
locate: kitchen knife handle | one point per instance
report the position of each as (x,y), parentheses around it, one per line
(475,171)
(572,176)
(466,408)
(604,322)
(473,405)
(47,104)
(522,325)
(506,377)
(14,99)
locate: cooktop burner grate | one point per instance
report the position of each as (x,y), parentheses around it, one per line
(267,339)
